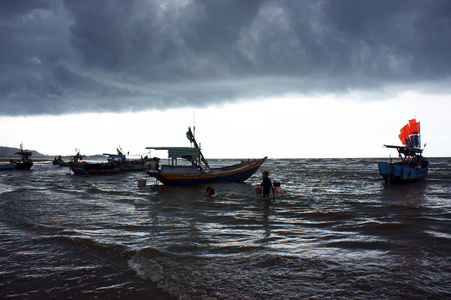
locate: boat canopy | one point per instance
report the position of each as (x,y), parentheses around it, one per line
(179,152)
(24,153)
(406,150)
(192,154)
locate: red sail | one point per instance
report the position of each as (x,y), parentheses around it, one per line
(402,138)
(406,130)
(413,126)
(404,134)
(410,134)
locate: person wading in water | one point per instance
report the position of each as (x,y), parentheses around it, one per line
(267,186)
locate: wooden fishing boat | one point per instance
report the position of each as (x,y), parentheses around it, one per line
(135,165)
(413,166)
(25,162)
(129,165)
(57,160)
(6,166)
(77,157)
(82,167)
(197,170)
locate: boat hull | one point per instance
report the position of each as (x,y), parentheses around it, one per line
(236,173)
(23,165)
(398,173)
(94,168)
(6,167)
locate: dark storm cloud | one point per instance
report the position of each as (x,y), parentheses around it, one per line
(75,56)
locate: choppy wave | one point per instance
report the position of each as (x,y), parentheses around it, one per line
(337,232)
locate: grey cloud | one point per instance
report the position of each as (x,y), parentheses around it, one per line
(64,57)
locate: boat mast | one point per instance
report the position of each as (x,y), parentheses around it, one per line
(192,139)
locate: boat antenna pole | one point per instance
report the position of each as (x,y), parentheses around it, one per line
(194,124)
(191,138)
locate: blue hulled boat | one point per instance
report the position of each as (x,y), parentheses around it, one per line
(197,170)
(57,160)
(82,167)
(413,166)
(127,164)
(6,166)
(94,168)
(77,157)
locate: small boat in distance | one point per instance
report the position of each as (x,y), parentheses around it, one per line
(77,157)
(94,168)
(6,166)
(57,160)
(198,171)
(413,166)
(129,165)
(82,167)
(25,162)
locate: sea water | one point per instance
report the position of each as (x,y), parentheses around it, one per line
(338,231)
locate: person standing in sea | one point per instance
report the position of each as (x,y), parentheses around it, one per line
(267,185)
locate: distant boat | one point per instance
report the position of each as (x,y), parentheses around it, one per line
(82,167)
(136,164)
(6,166)
(198,170)
(129,165)
(77,157)
(94,168)
(25,162)
(413,166)
(57,160)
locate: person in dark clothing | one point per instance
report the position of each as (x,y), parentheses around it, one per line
(267,185)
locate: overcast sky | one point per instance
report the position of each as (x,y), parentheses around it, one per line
(124,60)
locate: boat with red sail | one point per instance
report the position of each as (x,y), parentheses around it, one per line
(413,166)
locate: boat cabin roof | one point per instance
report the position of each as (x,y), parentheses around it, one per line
(24,153)
(177,152)
(406,150)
